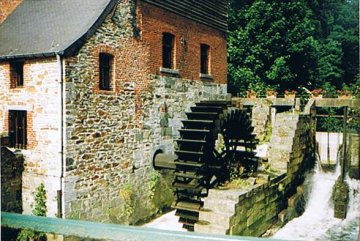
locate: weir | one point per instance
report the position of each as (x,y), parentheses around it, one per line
(318,221)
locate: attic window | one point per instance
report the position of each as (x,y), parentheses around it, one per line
(204,59)
(168,50)
(105,71)
(16,74)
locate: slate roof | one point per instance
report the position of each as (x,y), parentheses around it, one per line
(39,28)
(212,13)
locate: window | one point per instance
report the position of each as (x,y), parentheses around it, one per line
(204,58)
(17,129)
(16,74)
(168,50)
(105,71)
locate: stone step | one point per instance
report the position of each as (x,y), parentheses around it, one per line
(210,229)
(220,219)
(282,147)
(216,205)
(225,194)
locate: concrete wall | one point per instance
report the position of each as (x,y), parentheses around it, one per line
(40,97)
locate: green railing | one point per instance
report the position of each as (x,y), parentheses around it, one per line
(92,230)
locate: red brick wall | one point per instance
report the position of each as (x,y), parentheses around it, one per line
(6,8)
(153,21)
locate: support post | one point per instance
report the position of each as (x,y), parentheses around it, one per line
(328,139)
(343,159)
(341,190)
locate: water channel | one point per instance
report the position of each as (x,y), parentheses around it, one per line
(318,222)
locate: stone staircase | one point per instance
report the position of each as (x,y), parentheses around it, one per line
(218,211)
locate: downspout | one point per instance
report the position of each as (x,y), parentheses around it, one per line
(60,195)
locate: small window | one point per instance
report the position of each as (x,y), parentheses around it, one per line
(204,58)
(17,129)
(168,50)
(105,71)
(16,74)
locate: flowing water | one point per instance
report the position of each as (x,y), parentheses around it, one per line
(318,222)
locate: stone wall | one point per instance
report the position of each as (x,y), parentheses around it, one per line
(12,166)
(292,147)
(111,136)
(354,153)
(261,119)
(40,97)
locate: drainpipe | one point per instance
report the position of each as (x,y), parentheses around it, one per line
(60,195)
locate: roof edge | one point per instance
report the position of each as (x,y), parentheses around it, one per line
(77,44)
(28,56)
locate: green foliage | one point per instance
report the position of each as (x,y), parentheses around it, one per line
(39,210)
(40,201)
(268,132)
(153,182)
(28,234)
(128,196)
(238,183)
(288,44)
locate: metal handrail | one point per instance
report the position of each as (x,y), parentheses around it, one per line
(93,230)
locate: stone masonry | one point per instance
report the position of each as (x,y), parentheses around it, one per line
(111,136)
(40,97)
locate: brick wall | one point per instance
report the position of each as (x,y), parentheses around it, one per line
(153,21)
(7,7)
(40,97)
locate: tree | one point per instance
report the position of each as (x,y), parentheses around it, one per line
(287,44)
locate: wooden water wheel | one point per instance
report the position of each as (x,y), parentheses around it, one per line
(199,166)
